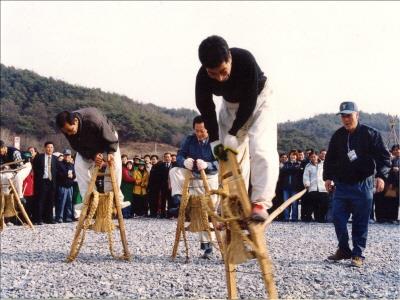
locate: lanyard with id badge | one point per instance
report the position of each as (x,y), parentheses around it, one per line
(351,154)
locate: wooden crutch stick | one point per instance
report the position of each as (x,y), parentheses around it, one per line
(79,226)
(211,206)
(117,203)
(285,204)
(20,206)
(180,227)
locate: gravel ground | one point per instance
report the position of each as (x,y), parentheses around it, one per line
(33,265)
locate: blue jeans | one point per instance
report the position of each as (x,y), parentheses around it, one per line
(355,199)
(64,203)
(287,193)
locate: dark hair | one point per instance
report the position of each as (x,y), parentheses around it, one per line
(154,155)
(213,51)
(197,120)
(173,154)
(124,155)
(293,151)
(166,153)
(48,143)
(323,149)
(394,147)
(312,152)
(2,144)
(65,117)
(147,155)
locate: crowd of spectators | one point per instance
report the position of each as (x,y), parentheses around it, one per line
(50,196)
(304,170)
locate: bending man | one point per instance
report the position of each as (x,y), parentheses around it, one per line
(195,155)
(246,119)
(93,136)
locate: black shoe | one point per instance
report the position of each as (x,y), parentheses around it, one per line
(51,222)
(38,223)
(58,221)
(68,220)
(207,253)
(339,255)
(23,201)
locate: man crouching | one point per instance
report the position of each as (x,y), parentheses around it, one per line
(195,155)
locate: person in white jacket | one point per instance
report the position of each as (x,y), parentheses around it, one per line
(317,194)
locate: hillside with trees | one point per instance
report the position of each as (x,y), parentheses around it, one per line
(29,103)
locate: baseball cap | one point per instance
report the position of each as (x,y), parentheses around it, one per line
(67,152)
(347,107)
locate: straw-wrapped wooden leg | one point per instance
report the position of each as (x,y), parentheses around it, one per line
(79,227)
(19,204)
(117,203)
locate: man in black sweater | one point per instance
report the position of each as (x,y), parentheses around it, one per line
(246,119)
(356,155)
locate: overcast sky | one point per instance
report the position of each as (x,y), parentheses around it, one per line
(316,54)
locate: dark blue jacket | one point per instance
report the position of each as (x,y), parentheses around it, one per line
(372,156)
(62,174)
(192,148)
(291,176)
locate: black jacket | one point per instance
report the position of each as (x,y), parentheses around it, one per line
(372,155)
(38,169)
(96,134)
(291,176)
(62,174)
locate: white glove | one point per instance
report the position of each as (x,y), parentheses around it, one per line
(188,163)
(231,142)
(201,164)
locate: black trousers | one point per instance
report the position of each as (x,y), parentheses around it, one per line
(45,201)
(386,208)
(307,207)
(153,199)
(320,203)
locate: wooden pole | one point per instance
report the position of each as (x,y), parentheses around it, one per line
(20,206)
(117,203)
(74,246)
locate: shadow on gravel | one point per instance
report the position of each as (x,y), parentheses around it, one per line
(53,257)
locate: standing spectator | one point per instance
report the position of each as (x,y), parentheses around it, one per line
(65,182)
(29,190)
(355,152)
(165,189)
(127,187)
(305,203)
(154,185)
(34,151)
(322,154)
(173,160)
(147,161)
(317,194)
(246,120)
(124,159)
(45,170)
(387,202)
(283,158)
(290,176)
(141,181)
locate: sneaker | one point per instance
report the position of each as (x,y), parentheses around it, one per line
(259,212)
(357,261)
(339,255)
